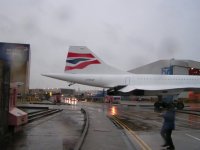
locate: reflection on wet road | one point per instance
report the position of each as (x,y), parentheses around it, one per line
(151,119)
(113,110)
(56,132)
(147,124)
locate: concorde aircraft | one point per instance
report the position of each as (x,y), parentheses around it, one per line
(84,67)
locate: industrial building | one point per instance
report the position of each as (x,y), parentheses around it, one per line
(18,57)
(14,78)
(172,67)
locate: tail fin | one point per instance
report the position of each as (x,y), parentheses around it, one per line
(81,60)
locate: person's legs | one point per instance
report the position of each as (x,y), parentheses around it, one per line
(163,134)
(169,139)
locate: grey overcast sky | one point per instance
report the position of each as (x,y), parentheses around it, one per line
(124,33)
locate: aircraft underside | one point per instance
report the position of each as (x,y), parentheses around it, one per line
(165,97)
(140,92)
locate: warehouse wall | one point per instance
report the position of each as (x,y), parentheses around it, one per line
(19,59)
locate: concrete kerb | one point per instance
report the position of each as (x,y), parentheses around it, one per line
(85,130)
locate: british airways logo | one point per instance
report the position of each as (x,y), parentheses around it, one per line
(79,60)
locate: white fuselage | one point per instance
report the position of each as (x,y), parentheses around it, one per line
(141,81)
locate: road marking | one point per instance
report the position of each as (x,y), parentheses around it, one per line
(142,144)
(193,137)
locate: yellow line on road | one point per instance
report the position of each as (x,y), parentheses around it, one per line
(142,144)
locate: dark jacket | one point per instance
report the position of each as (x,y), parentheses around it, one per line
(169,120)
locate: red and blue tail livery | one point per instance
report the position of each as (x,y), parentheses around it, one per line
(79,60)
(80,57)
(82,60)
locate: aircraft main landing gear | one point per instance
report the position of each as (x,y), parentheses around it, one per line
(178,104)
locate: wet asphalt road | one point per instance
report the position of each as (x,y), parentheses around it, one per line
(146,123)
(60,131)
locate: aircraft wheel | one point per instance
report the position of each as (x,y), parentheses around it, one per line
(157,105)
(180,106)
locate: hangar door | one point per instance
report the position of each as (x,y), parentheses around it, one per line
(178,70)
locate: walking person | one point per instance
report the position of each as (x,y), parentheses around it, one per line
(168,127)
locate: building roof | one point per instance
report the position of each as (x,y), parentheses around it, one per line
(168,63)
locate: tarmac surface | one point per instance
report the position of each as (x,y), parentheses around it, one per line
(63,130)
(60,131)
(102,133)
